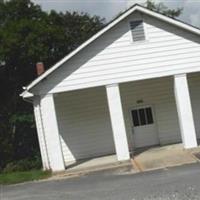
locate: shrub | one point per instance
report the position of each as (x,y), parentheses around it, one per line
(23,165)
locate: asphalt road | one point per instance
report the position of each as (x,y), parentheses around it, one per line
(179,183)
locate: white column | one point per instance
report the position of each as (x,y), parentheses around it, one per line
(117,121)
(52,133)
(184,109)
(40,133)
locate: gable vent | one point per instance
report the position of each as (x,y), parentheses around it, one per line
(137,29)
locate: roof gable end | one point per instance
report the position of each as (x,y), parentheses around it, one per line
(108,27)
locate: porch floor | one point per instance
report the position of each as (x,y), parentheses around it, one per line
(165,156)
(94,164)
(147,159)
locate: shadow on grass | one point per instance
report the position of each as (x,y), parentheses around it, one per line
(19,177)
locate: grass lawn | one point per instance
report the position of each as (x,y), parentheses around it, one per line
(19,177)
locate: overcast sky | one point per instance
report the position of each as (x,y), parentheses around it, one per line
(110,8)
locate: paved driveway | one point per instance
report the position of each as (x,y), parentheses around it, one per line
(180,183)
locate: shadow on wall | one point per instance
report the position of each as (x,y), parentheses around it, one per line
(84,124)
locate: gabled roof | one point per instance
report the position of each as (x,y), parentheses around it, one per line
(134,8)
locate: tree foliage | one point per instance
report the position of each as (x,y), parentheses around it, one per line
(29,35)
(162,8)
(159,7)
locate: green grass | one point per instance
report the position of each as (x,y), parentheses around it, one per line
(19,177)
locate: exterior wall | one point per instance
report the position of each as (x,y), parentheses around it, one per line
(84,124)
(114,58)
(159,94)
(194,86)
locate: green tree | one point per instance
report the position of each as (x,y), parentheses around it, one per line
(29,35)
(162,8)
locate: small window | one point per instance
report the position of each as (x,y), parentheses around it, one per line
(137,29)
(135,118)
(142,116)
(149,115)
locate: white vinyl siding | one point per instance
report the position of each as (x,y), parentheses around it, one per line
(114,58)
(159,94)
(84,124)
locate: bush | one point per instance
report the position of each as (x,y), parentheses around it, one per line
(23,165)
(18,139)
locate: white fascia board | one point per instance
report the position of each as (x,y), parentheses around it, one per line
(112,24)
(170,20)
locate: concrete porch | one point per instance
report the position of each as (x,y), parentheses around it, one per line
(97,164)
(146,159)
(165,156)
